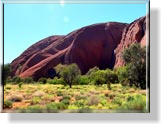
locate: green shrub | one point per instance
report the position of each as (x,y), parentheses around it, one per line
(65,101)
(135,61)
(110,76)
(103,102)
(56,81)
(54,107)
(16,80)
(59,68)
(32,109)
(83,80)
(117,100)
(99,77)
(66,97)
(20,84)
(7,104)
(59,93)
(92,70)
(35,100)
(42,80)
(70,74)
(137,102)
(123,76)
(79,103)
(28,80)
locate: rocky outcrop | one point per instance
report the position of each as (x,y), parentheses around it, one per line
(87,47)
(18,64)
(133,33)
(98,45)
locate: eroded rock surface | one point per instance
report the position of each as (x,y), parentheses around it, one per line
(95,45)
(133,33)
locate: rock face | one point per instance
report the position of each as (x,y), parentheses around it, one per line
(133,33)
(89,46)
(18,65)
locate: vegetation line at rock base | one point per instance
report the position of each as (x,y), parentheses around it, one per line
(121,89)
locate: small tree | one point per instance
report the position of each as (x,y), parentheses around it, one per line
(135,61)
(110,77)
(70,73)
(59,68)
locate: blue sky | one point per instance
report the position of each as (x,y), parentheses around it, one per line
(25,24)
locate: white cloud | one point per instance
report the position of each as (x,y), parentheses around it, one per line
(62,2)
(66,19)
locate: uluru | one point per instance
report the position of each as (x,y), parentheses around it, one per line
(98,45)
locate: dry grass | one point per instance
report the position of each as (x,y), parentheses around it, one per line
(33,96)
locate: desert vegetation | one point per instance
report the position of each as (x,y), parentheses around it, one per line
(80,98)
(121,89)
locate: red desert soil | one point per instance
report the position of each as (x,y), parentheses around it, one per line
(95,45)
